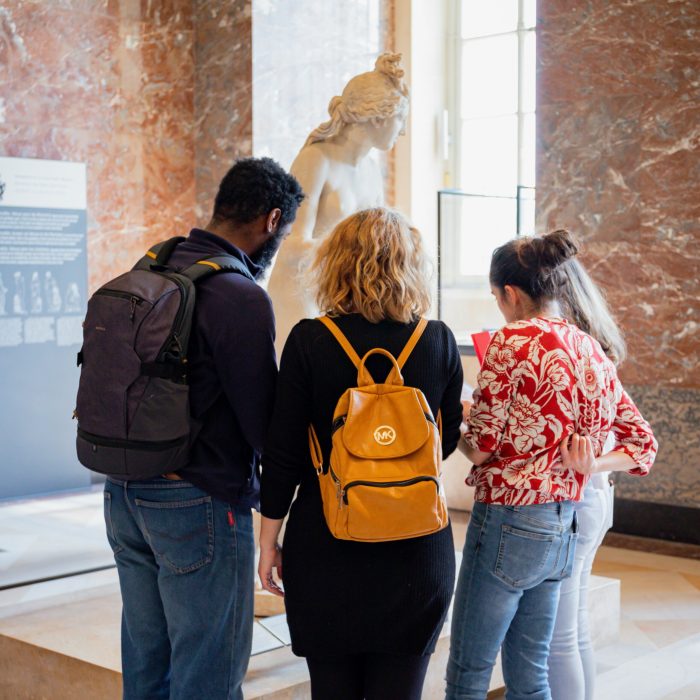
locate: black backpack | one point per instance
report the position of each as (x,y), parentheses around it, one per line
(133,407)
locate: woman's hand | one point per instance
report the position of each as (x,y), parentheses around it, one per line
(270,558)
(577,454)
(466,408)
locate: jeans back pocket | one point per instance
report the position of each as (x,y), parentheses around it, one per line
(523,556)
(181,533)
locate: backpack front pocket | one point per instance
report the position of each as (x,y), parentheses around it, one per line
(398,509)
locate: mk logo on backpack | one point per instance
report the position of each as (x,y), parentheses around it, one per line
(383,480)
(133,398)
(385,435)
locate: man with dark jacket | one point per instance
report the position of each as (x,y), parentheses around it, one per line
(183,543)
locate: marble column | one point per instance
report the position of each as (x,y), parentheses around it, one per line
(618,153)
(223,100)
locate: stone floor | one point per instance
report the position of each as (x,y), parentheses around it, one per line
(657,656)
(47,537)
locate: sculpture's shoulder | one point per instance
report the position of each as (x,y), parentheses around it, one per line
(312,161)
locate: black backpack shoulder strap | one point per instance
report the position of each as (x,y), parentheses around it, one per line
(159,254)
(215,264)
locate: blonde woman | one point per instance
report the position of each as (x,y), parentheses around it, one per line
(365,615)
(338,175)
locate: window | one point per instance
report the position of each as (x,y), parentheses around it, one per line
(492,152)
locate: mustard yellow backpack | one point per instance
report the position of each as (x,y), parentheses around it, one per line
(383,480)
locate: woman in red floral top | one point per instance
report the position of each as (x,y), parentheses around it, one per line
(547,398)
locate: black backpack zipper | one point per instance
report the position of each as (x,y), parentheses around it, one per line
(132,444)
(177,323)
(134,299)
(386,484)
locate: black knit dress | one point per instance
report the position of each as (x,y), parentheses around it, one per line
(345,597)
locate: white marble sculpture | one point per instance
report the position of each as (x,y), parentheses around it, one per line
(339,177)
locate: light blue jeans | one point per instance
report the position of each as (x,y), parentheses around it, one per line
(571,657)
(515,558)
(185,563)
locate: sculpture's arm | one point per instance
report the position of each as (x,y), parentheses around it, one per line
(310,168)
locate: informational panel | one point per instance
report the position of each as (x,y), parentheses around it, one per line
(43,290)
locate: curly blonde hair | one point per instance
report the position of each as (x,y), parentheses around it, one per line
(379,94)
(372,263)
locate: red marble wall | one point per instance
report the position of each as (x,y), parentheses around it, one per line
(618,164)
(154,95)
(223,127)
(110,84)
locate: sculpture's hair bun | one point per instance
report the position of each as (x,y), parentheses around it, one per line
(376,94)
(389,64)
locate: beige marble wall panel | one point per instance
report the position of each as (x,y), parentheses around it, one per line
(167,99)
(388,34)
(222,93)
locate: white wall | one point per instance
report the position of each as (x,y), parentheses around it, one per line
(421,31)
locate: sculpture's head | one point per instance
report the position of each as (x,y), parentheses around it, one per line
(378,99)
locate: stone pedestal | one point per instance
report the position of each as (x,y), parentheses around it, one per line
(61,640)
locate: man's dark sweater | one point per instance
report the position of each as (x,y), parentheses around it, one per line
(232,370)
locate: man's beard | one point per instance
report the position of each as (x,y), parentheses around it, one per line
(264,257)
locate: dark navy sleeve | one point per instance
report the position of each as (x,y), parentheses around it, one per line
(242,344)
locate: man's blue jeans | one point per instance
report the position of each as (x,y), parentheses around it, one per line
(185,563)
(515,558)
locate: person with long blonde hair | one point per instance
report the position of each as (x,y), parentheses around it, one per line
(366,615)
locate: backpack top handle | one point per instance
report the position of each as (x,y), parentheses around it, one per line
(355,358)
(364,378)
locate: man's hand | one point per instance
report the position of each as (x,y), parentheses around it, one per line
(577,454)
(270,558)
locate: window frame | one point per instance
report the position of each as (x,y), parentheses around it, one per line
(455,43)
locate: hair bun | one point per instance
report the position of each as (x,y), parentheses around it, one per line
(335,103)
(555,248)
(389,65)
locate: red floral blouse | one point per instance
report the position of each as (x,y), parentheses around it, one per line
(541,380)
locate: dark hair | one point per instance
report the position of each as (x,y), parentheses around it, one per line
(531,263)
(546,268)
(254,187)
